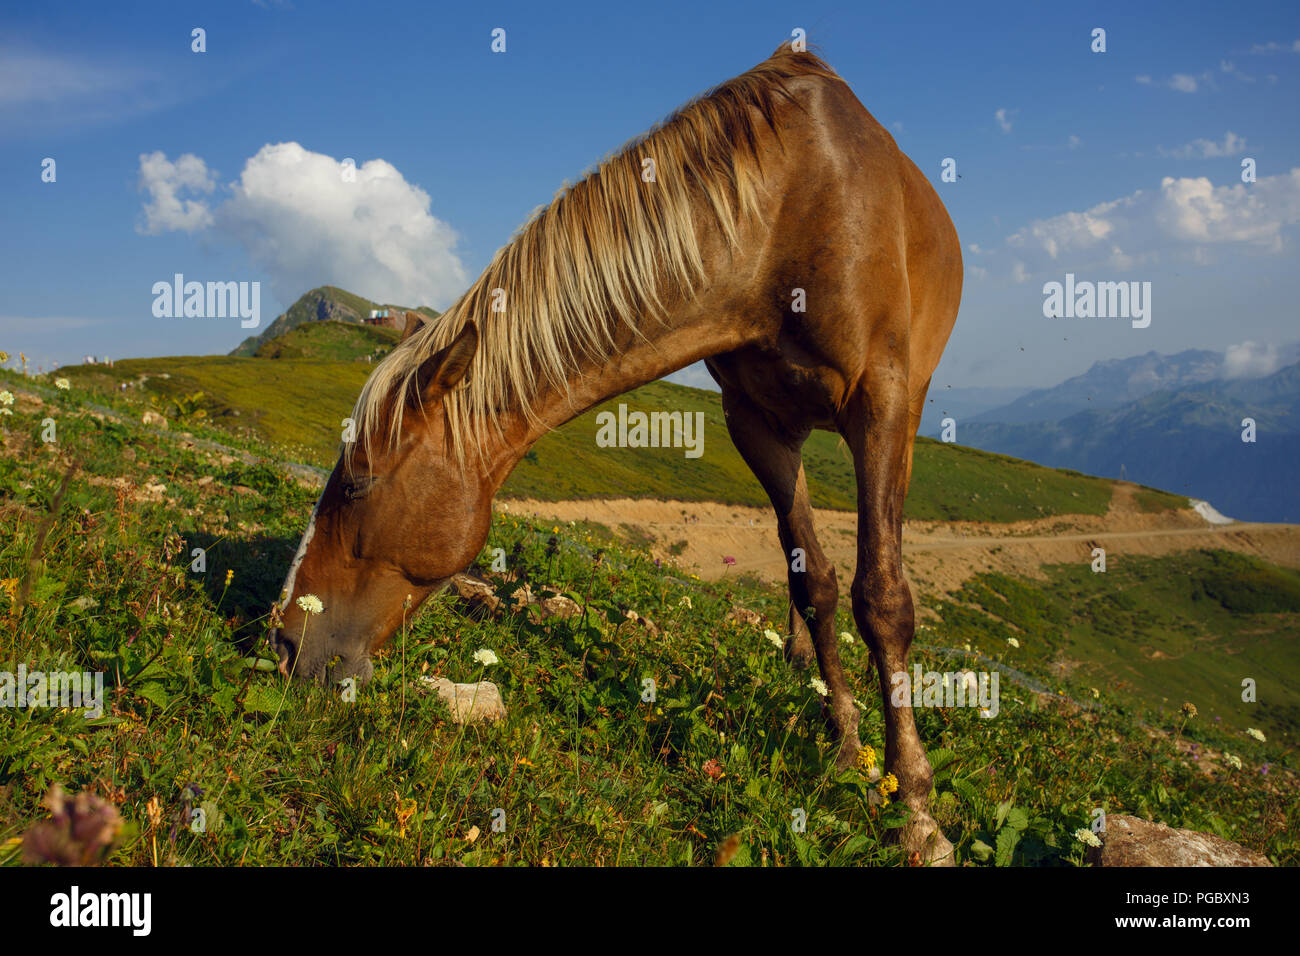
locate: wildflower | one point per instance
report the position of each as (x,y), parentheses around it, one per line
(1084,835)
(1095,692)
(866,758)
(1232,761)
(62,384)
(1257,734)
(712,769)
(819,685)
(311,604)
(728,560)
(888,785)
(485,657)
(1013,642)
(230,574)
(4,358)
(685,601)
(846,637)
(774,638)
(6,397)
(1189,710)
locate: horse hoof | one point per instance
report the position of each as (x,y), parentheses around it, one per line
(924,844)
(799,654)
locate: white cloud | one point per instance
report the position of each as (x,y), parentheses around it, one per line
(1185,216)
(44,78)
(1272,46)
(1004,118)
(1194,210)
(165,211)
(305,225)
(1251,360)
(1182,82)
(1232,145)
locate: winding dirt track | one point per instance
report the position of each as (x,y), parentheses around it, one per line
(938,556)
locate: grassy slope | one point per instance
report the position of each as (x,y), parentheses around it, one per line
(586,771)
(331,340)
(1186,627)
(301,403)
(346,306)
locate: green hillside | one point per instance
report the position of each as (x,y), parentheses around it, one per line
(96,562)
(1186,627)
(328,303)
(299,404)
(332,339)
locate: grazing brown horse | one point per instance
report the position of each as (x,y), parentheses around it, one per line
(772,228)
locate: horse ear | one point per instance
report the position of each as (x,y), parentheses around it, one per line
(413,322)
(447,367)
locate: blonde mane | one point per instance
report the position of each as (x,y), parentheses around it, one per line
(605,251)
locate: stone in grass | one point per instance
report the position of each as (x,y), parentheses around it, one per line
(467,702)
(1130,841)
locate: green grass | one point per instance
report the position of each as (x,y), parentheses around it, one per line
(299,404)
(332,340)
(585,770)
(1188,627)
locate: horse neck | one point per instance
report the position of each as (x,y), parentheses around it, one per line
(686,336)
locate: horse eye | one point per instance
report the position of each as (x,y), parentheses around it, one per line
(352,490)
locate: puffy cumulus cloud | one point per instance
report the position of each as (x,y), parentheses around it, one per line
(1184,217)
(1004,118)
(1251,360)
(307,219)
(1194,210)
(163,180)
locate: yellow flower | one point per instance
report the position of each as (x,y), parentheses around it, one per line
(230,574)
(888,785)
(866,758)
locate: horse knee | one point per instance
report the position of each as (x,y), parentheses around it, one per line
(816,587)
(882,606)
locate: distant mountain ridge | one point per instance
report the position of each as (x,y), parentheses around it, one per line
(1108,384)
(319,305)
(1185,439)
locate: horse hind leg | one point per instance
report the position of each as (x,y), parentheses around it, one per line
(878,426)
(814,593)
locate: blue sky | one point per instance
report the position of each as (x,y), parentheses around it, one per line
(223,165)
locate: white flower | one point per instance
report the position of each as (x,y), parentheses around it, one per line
(819,685)
(685,601)
(6,411)
(1257,734)
(846,637)
(1013,642)
(485,657)
(1231,761)
(967,648)
(1084,835)
(311,604)
(62,383)
(774,638)
(6,397)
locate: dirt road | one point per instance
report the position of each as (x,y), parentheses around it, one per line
(938,556)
